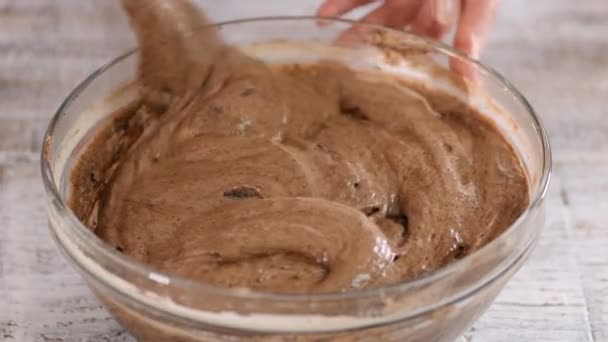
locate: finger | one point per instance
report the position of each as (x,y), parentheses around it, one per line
(436,18)
(476,20)
(396,13)
(336,8)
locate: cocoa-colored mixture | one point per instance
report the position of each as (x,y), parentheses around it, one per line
(288,178)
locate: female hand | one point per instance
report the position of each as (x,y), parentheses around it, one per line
(432,18)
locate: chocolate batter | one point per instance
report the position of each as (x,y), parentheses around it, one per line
(289,178)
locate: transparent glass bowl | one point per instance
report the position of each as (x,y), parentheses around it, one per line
(437,307)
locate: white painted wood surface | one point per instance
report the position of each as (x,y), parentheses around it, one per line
(555,51)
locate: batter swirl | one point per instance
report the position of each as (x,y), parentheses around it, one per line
(289,178)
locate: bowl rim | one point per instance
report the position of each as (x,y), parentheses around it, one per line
(126,263)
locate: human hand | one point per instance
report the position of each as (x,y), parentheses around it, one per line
(432,18)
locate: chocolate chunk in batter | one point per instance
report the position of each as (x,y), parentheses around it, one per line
(245,191)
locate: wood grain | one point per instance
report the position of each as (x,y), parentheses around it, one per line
(554,51)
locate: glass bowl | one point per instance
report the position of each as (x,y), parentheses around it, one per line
(436,307)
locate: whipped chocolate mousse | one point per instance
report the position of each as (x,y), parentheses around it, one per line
(288,178)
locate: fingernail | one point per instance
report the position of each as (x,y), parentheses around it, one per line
(446,11)
(475,46)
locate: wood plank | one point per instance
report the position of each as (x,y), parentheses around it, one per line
(553,50)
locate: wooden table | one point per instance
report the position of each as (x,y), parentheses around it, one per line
(555,51)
